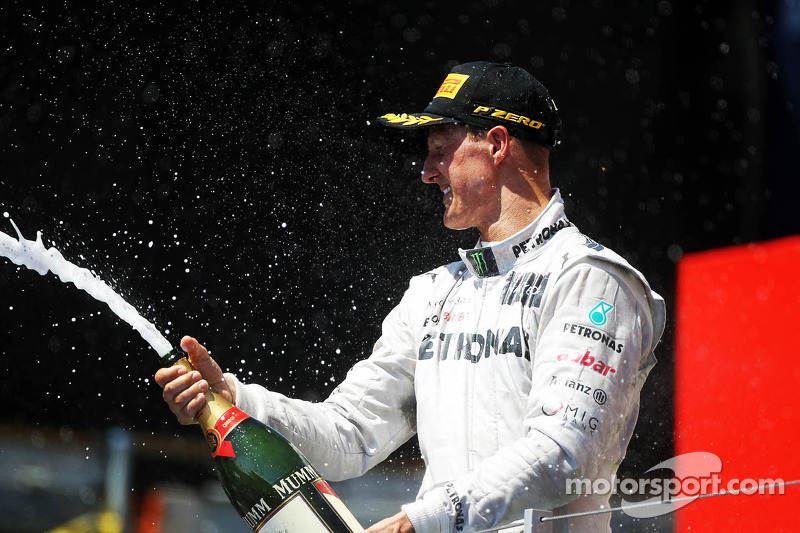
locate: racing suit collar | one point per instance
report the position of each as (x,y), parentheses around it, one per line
(521,247)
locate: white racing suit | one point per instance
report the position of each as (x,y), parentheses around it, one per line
(519,368)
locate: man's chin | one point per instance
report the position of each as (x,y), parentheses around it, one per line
(455,224)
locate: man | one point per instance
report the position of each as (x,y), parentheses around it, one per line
(519,367)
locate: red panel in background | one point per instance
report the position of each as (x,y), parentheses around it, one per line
(737,379)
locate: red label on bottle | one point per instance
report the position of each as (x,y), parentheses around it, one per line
(216,436)
(225,450)
(324,488)
(229,420)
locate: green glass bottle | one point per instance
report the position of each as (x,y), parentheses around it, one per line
(269,482)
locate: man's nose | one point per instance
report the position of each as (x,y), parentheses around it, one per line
(429,170)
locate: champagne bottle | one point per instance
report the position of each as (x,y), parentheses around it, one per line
(269,482)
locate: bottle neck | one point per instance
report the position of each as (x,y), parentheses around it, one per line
(172,356)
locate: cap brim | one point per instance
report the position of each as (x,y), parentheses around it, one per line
(412,121)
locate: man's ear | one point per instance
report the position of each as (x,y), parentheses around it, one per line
(500,142)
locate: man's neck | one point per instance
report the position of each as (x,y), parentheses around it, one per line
(516,213)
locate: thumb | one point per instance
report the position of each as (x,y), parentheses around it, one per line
(198,356)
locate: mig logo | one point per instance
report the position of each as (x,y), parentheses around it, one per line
(599,313)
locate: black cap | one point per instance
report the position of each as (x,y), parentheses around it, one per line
(486,95)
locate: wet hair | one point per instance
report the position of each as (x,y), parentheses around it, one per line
(532,148)
(475,133)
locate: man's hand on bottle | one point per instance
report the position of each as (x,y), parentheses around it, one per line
(398,523)
(184,391)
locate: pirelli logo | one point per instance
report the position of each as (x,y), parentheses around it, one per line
(494,112)
(451,85)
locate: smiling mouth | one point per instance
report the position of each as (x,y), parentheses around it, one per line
(447,196)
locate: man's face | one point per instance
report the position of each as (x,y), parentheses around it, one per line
(461,166)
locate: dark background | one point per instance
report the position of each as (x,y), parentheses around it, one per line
(219,165)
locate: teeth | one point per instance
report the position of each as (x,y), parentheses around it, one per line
(447,190)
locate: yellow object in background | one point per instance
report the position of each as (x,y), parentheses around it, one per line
(102,522)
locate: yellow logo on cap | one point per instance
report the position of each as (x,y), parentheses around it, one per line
(452,83)
(507,115)
(408,120)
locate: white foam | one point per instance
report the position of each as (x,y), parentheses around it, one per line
(33,255)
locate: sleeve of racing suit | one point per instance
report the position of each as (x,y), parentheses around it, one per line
(595,331)
(369,414)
